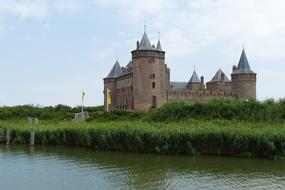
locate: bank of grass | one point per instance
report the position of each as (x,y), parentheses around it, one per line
(190,137)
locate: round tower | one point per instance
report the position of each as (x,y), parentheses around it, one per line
(150,75)
(243,79)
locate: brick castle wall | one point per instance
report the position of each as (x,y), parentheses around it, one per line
(198,95)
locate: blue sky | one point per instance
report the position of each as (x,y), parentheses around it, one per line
(51,49)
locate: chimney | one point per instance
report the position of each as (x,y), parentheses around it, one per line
(234,68)
(202,80)
(138,45)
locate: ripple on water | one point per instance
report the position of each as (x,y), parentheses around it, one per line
(71,168)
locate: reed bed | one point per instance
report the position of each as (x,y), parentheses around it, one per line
(190,137)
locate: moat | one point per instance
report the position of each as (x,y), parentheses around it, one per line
(68,168)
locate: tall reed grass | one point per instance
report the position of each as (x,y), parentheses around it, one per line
(188,137)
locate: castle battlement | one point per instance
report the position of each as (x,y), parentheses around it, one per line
(198,95)
(148,53)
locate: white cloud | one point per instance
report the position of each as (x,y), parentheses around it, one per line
(25,8)
(139,9)
(69,5)
(39,9)
(200,24)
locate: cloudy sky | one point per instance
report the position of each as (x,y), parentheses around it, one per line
(51,49)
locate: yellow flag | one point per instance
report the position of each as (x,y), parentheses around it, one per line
(109,96)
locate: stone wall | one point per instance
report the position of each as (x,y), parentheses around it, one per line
(219,86)
(174,95)
(124,97)
(244,85)
(197,86)
(110,83)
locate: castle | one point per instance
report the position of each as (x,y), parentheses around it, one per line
(145,81)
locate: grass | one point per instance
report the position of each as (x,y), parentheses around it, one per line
(191,137)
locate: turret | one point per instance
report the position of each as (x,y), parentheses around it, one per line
(243,79)
(195,83)
(158,46)
(149,75)
(202,80)
(219,82)
(110,84)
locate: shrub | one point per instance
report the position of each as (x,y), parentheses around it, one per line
(220,109)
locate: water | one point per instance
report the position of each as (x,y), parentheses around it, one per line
(69,168)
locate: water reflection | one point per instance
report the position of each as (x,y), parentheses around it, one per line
(58,167)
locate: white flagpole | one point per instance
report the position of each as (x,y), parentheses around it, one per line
(82,97)
(107,105)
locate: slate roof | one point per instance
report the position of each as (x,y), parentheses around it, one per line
(128,68)
(194,78)
(220,76)
(115,71)
(178,85)
(243,65)
(145,43)
(158,47)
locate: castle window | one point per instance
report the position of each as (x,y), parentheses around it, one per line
(123,89)
(118,90)
(131,88)
(153,84)
(151,60)
(152,76)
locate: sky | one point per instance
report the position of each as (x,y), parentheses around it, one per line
(52,49)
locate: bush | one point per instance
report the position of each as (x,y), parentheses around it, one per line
(269,110)
(220,109)
(59,112)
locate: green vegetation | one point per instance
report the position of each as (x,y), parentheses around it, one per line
(269,111)
(56,113)
(216,127)
(188,137)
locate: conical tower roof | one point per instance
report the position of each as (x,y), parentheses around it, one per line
(220,77)
(129,67)
(145,43)
(158,47)
(194,78)
(243,65)
(115,71)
